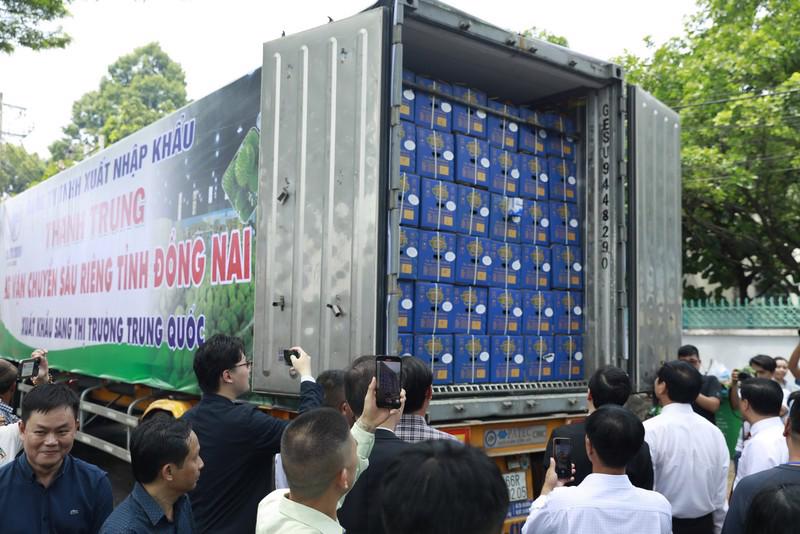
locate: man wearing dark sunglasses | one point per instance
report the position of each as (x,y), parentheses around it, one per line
(237,439)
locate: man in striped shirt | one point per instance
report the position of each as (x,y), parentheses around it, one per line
(417,380)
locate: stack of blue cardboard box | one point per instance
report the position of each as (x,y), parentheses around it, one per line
(490,258)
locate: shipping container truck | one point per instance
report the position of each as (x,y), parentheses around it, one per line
(411,180)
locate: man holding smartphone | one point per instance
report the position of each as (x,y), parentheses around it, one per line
(9,374)
(605,501)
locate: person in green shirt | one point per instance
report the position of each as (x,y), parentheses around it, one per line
(322,457)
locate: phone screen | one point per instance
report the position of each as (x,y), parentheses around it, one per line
(387,372)
(562,450)
(28,368)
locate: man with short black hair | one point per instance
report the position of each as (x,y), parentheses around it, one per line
(690,457)
(784,474)
(463,491)
(417,380)
(238,439)
(708,401)
(360,513)
(607,386)
(605,501)
(166,463)
(45,489)
(761,400)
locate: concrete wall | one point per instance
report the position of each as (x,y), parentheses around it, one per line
(734,348)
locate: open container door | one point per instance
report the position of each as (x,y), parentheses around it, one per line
(654,245)
(319,246)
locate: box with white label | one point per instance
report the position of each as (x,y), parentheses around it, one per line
(505,218)
(473,161)
(474,208)
(409,199)
(435,154)
(536,267)
(470,307)
(437,256)
(569,357)
(504,174)
(506,264)
(473,261)
(467,119)
(437,351)
(408,147)
(405,319)
(408,97)
(409,251)
(539,311)
(439,207)
(472,358)
(536,223)
(503,130)
(505,311)
(507,359)
(433,308)
(567,267)
(540,359)
(568,312)
(534,180)
(431,111)
(563,180)
(565,223)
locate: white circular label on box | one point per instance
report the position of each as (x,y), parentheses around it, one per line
(484,356)
(542,133)
(450,256)
(548,312)
(481,114)
(446,107)
(573,223)
(544,178)
(517,312)
(408,94)
(407,304)
(486,260)
(447,358)
(512,126)
(409,144)
(485,163)
(546,267)
(447,305)
(571,180)
(451,206)
(480,309)
(411,252)
(448,155)
(544,222)
(578,356)
(515,173)
(484,211)
(519,359)
(516,265)
(407,354)
(549,357)
(576,267)
(577,310)
(413,199)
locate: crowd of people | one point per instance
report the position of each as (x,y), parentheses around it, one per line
(344,464)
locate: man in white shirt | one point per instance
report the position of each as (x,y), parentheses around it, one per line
(760,403)
(690,458)
(605,501)
(10,443)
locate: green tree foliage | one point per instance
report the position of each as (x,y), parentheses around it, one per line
(735,77)
(545,35)
(139,88)
(21,20)
(18,169)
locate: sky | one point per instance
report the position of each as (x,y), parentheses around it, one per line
(216,42)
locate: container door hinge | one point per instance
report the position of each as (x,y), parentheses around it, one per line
(393,288)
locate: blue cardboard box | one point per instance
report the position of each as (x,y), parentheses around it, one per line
(408,147)
(473,163)
(536,267)
(408,97)
(569,312)
(534,180)
(504,174)
(439,207)
(474,208)
(563,180)
(540,358)
(409,251)
(431,111)
(505,312)
(536,222)
(567,267)
(503,132)
(539,311)
(532,136)
(409,199)
(437,351)
(433,308)
(561,146)
(435,154)
(569,357)
(405,345)
(437,256)
(467,119)
(565,223)
(470,309)
(508,359)
(405,320)
(506,264)
(558,122)
(473,260)
(472,359)
(505,218)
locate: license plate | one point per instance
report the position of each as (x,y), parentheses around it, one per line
(517,485)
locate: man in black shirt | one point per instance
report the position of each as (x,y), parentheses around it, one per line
(237,439)
(707,403)
(609,385)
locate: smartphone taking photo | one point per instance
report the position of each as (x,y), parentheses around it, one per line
(28,368)
(562,451)
(387,375)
